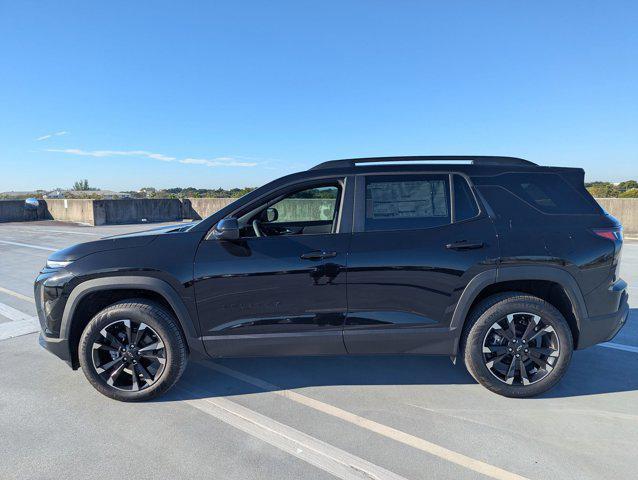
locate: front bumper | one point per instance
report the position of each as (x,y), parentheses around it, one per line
(58,347)
(51,289)
(603,328)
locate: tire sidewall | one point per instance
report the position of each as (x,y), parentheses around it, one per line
(138,313)
(474,345)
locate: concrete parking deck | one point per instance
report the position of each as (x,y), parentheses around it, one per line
(312,418)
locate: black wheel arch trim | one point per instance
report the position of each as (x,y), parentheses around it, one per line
(189,326)
(513,273)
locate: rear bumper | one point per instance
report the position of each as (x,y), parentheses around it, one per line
(603,328)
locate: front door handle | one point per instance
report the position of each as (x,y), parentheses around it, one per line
(464,245)
(317,255)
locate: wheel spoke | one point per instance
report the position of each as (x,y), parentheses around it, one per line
(145,374)
(542,331)
(111,338)
(509,378)
(539,361)
(501,331)
(530,327)
(108,366)
(129,331)
(495,360)
(139,334)
(511,326)
(136,384)
(549,352)
(102,346)
(116,374)
(498,349)
(523,372)
(152,347)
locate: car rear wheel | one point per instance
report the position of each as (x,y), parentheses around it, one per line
(517,345)
(133,350)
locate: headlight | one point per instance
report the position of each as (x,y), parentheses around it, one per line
(57,264)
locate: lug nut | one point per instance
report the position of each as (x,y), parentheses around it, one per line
(509,349)
(526,350)
(517,355)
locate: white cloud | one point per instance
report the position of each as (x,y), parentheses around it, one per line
(56,134)
(209,162)
(218,162)
(113,153)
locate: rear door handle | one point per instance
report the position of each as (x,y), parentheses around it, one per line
(464,245)
(317,255)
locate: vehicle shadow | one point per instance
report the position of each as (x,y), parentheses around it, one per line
(202,379)
(596,370)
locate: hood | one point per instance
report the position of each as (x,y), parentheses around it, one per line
(128,240)
(181,227)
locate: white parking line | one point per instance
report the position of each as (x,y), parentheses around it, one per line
(13,313)
(38,247)
(389,432)
(17,295)
(18,328)
(72,232)
(21,323)
(619,346)
(322,455)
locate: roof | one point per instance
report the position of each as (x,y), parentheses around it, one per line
(474,159)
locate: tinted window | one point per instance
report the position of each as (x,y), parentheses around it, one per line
(464,203)
(405,202)
(311,205)
(547,192)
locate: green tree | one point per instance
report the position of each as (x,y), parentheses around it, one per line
(81,185)
(631,193)
(628,185)
(603,190)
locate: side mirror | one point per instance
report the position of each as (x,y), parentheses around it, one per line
(227,229)
(269,215)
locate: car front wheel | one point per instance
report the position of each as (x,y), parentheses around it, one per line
(133,350)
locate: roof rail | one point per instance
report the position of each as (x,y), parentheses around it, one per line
(475,159)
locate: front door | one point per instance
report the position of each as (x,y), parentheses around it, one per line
(281,288)
(418,240)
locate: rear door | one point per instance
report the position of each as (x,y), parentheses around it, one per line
(418,240)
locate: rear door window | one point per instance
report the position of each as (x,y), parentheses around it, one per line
(403,202)
(465,206)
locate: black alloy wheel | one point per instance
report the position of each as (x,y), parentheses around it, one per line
(133,350)
(521,349)
(129,355)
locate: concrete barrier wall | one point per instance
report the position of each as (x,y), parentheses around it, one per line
(136,210)
(625,210)
(99,212)
(16,211)
(70,210)
(294,209)
(198,208)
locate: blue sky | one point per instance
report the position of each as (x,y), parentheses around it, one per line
(212,94)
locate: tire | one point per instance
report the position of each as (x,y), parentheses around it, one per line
(145,338)
(489,345)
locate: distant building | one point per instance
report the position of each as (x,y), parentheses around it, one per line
(103,194)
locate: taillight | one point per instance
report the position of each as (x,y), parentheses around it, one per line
(613,234)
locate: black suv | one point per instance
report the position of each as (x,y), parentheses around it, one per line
(505,264)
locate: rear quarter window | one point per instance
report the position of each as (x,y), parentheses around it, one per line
(546,192)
